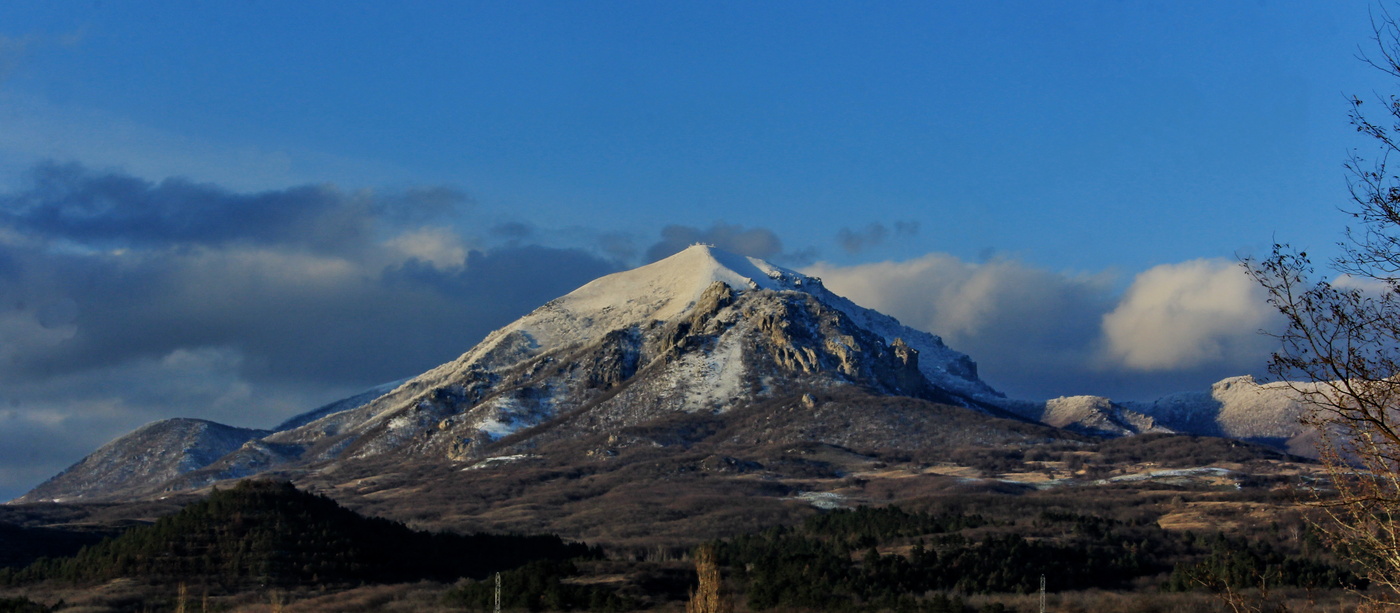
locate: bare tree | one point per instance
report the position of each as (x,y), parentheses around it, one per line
(1341,347)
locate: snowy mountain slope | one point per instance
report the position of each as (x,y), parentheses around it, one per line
(1097,415)
(1236,407)
(136,464)
(353,402)
(146,459)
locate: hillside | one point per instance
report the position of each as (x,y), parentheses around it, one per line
(267,533)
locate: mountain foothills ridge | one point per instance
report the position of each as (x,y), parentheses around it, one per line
(701,346)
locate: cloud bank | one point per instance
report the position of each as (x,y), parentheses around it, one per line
(1185,315)
(1040,334)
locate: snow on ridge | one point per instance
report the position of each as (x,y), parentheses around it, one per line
(339,406)
(1237,407)
(505,415)
(660,291)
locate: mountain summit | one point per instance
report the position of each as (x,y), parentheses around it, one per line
(702,332)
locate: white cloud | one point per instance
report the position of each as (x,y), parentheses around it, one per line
(1026,327)
(1037,333)
(1178,316)
(960,300)
(1375,287)
(440,247)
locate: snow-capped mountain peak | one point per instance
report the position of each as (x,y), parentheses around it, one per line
(661,291)
(666,288)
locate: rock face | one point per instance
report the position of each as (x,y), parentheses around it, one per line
(1096,415)
(703,332)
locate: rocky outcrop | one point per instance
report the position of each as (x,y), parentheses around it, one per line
(1096,415)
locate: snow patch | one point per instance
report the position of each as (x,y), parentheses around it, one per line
(1208,471)
(503,416)
(710,380)
(824,500)
(499,460)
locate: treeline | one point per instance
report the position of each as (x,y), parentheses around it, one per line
(891,559)
(796,570)
(21,545)
(20,604)
(265,533)
(1238,563)
(870,525)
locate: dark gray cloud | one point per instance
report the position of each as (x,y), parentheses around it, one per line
(292,315)
(113,210)
(875,234)
(754,242)
(618,246)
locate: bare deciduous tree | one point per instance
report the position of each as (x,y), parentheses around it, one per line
(1341,347)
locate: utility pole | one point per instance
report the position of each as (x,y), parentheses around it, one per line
(498,592)
(1042,595)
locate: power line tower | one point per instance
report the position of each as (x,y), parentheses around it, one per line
(1042,595)
(498,591)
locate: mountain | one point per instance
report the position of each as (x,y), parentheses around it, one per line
(645,403)
(142,462)
(703,331)
(1236,407)
(137,464)
(700,331)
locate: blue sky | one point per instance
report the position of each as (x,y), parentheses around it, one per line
(220,209)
